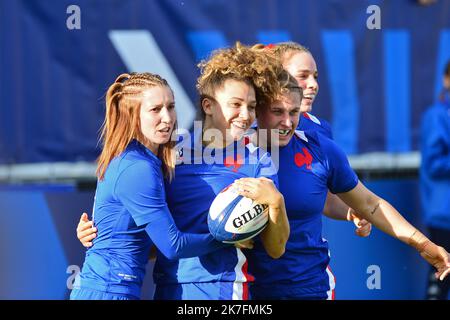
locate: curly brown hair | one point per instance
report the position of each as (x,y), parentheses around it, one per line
(286,81)
(255,67)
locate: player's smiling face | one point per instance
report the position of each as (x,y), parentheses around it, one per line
(233,110)
(303,67)
(281,118)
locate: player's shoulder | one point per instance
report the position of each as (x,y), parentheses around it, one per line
(254,153)
(315,141)
(312,118)
(132,168)
(305,139)
(248,143)
(137,159)
(309,137)
(311,122)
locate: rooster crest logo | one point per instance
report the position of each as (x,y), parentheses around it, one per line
(303,159)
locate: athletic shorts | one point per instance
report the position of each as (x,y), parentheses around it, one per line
(91,294)
(203,291)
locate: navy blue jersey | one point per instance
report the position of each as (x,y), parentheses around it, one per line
(201,173)
(310,165)
(309,122)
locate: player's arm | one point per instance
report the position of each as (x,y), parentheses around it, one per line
(174,244)
(168,239)
(263,190)
(386,218)
(336,209)
(275,236)
(138,188)
(155,215)
(86,233)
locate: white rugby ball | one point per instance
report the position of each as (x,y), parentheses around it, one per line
(233,217)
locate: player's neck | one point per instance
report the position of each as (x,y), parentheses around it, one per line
(213,138)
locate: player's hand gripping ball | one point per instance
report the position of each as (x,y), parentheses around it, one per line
(233,217)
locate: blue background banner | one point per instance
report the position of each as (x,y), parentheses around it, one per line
(374,84)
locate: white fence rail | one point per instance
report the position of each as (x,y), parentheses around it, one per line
(85,171)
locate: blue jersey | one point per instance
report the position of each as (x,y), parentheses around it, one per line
(309,122)
(435,165)
(310,165)
(131,213)
(201,173)
(116,262)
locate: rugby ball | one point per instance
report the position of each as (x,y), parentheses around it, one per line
(233,217)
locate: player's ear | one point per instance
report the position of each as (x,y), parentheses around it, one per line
(207,106)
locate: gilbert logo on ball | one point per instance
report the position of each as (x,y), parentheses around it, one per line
(233,217)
